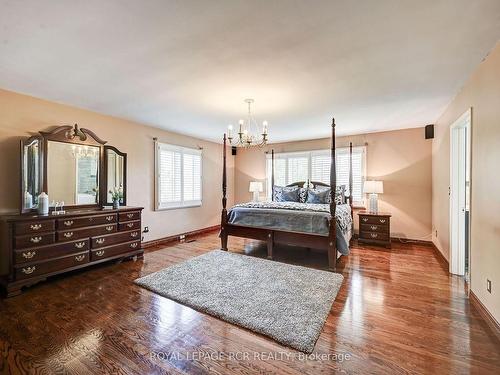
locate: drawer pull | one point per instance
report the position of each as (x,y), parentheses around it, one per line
(382,221)
(69,223)
(35,226)
(79,245)
(28,270)
(374,235)
(130,216)
(79,258)
(365,219)
(133,245)
(29,254)
(374,227)
(109,218)
(68,234)
(134,234)
(109,228)
(100,241)
(99,253)
(35,239)
(130,225)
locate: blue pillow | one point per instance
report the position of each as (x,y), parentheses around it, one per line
(286,193)
(318,196)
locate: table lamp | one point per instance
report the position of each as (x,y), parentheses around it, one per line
(373,188)
(256,187)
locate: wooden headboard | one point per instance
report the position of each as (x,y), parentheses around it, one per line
(314,183)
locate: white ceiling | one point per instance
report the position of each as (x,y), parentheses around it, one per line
(187,65)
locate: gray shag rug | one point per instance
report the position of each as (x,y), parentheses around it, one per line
(287,303)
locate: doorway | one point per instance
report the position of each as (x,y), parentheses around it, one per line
(460,172)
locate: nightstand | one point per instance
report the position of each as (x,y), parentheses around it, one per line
(375,228)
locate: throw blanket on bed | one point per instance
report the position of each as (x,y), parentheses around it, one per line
(342,212)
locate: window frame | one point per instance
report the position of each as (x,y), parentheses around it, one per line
(310,154)
(159,206)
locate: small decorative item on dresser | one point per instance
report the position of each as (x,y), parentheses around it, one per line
(375,228)
(116,196)
(43,204)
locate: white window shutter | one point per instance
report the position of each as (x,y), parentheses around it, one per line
(178,176)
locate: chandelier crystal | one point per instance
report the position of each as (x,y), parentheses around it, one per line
(249,133)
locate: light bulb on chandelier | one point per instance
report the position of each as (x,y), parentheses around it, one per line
(248,130)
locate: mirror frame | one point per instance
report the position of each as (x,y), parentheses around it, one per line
(24,143)
(72,135)
(104,189)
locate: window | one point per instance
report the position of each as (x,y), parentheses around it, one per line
(315,165)
(178,176)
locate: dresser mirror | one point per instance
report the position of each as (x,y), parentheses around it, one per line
(73,166)
(116,173)
(31,179)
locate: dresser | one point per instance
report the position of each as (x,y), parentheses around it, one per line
(375,228)
(34,247)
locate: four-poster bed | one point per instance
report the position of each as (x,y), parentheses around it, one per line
(291,230)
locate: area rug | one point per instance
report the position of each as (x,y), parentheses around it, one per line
(287,303)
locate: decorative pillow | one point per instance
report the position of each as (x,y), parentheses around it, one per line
(302,195)
(286,193)
(319,196)
(340,195)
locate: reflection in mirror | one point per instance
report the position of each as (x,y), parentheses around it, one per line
(115,172)
(72,173)
(31,173)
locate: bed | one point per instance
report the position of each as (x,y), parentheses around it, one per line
(311,225)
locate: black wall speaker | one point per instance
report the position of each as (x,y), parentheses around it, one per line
(233,150)
(429,132)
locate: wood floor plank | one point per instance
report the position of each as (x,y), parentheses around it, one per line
(398,311)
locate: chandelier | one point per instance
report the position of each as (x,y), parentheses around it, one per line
(249,134)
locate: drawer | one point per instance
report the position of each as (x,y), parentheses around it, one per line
(31,227)
(374,236)
(38,269)
(129,216)
(112,239)
(50,251)
(110,251)
(73,234)
(374,220)
(22,242)
(130,225)
(380,228)
(85,221)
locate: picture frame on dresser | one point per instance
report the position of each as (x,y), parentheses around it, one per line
(34,247)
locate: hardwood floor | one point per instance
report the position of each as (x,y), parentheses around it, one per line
(398,311)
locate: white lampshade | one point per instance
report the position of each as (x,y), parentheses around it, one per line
(373,187)
(256,186)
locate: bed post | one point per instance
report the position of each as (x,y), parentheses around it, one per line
(223,221)
(350,186)
(272,175)
(332,235)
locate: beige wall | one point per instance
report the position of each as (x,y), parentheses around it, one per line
(402,159)
(482,93)
(22,115)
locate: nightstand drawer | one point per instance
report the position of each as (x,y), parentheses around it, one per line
(374,236)
(380,228)
(383,220)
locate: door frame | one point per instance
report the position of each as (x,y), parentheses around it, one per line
(457,227)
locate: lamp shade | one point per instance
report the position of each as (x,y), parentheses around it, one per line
(256,186)
(373,187)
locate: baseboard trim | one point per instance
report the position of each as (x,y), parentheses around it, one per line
(486,315)
(175,237)
(440,255)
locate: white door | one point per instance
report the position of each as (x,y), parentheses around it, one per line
(459,143)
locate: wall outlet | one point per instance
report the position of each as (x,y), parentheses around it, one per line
(488,285)
(146,230)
